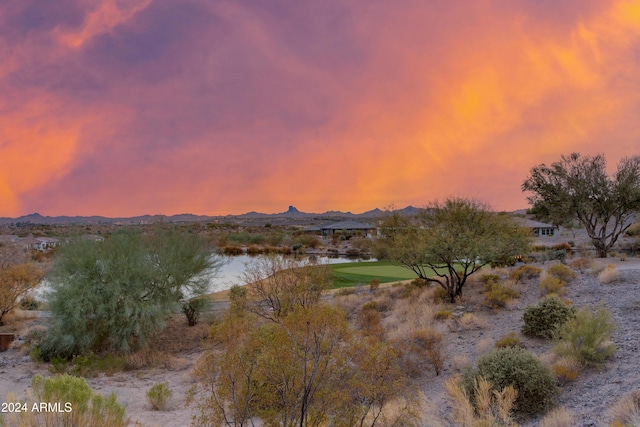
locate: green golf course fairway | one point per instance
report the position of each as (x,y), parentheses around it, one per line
(361,273)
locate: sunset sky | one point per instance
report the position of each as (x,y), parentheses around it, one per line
(129,107)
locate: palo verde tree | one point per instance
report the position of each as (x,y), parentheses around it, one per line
(115,294)
(578,187)
(447,242)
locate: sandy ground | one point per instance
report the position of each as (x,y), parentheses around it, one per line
(588,397)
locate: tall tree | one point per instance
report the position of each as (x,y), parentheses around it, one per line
(447,242)
(116,294)
(578,187)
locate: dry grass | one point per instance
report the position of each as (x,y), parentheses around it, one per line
(485,345)
(609,275)
(472,322)
(626,411)
(582,264)
(408,315)
(459,362)
(566,369)
(559,417)
(491,407)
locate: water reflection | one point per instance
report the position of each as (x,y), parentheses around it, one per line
(231,271)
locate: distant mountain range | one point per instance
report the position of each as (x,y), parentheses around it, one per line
(292,212)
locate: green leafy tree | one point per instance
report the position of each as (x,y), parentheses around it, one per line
(447,242)
(578,188)
(115,294)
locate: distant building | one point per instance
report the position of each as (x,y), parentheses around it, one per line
(539,229)
(349,227)
(37,243)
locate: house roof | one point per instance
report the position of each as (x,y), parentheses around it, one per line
(348,225)
(533,224)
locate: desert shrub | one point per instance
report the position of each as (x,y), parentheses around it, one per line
(419,282)
(597,268)
(513,366)
(634,230)
(566,369)
(562,247)
(232,250)
(524,272)
(581,264)
(609,275)
(559,254)
(29,303)
(159,395)
(344,292)
(429,341)
(626,411)
(552,285)
(79,405)
(370,305)
(193,308)
(490,277)
(471,321)
(308,241)
(374,285)
(443,315)
(559,417)
(509,340)
(562,272)
(491,407)
(543,319)
(497,295)
(440,294)
(586,337)
(90,366)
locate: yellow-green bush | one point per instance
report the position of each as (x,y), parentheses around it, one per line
(562,272)
(509,340)
(159,396)
(77,405)
(552,285)
(524,272)
(443,315)
(497,295)
(440,294)
(587,336)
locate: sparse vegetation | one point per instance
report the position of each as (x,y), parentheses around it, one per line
(509,340)
(524,272)
(159,396)
(76,405)
(497,295)
(609,275)
(626,411)
(552,285)
(561,272)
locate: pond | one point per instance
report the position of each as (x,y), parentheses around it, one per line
(230,273)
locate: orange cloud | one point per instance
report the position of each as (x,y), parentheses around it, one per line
(107,15)
(228,107)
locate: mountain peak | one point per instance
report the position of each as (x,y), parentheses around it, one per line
(292,210)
